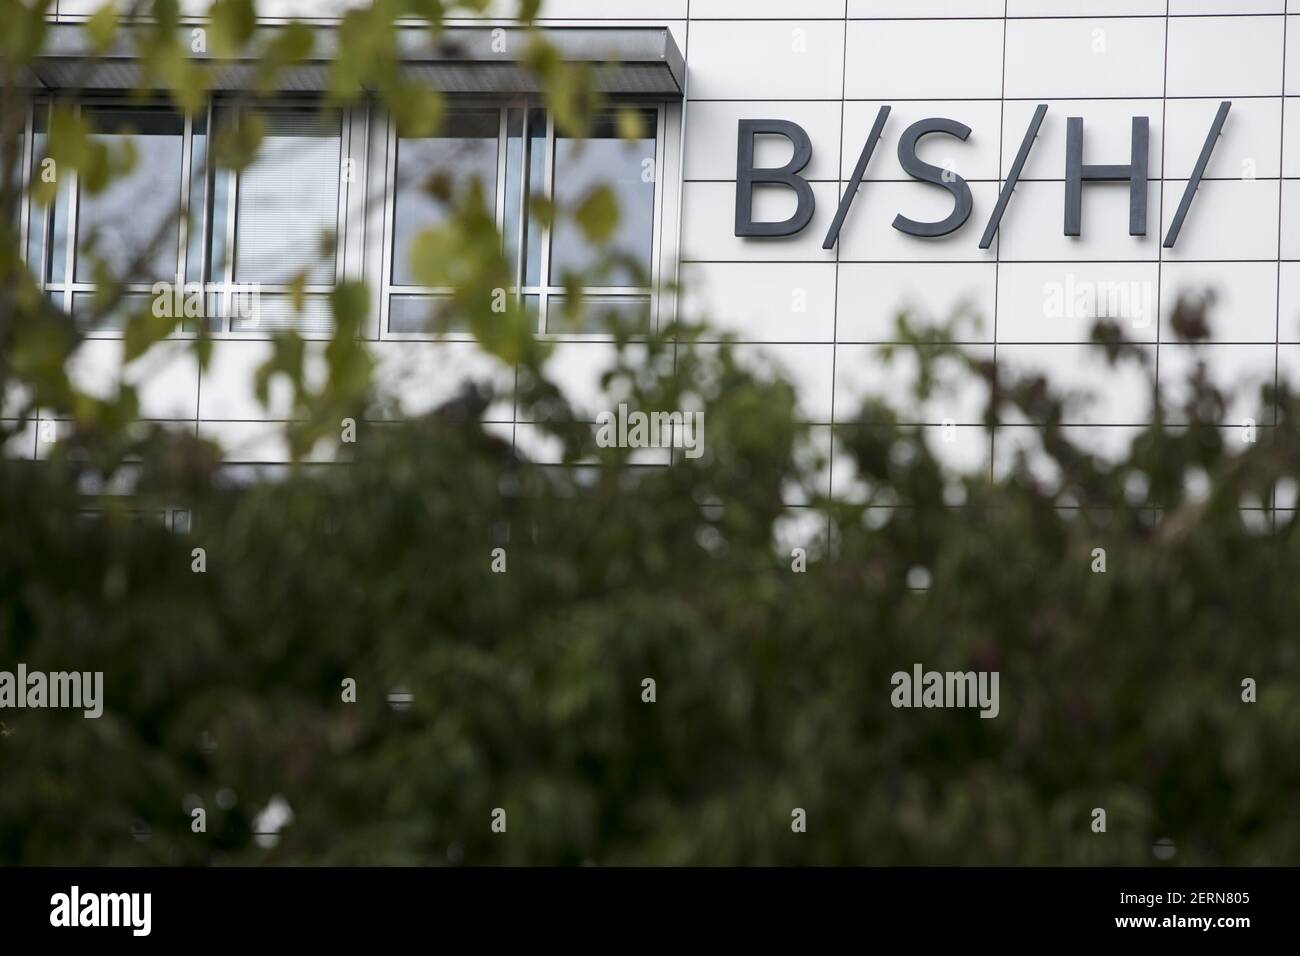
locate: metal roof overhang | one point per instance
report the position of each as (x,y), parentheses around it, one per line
(629,61)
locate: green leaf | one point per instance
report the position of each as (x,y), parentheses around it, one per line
(203,347)
(144,330)
(597,214)
(541,210)
(237,146)
(232,23)
(298,290)
(24,30)
(416,109)
(288,46)
(70,148)
(102,27)
(287,355)
(630,123)
(350,304)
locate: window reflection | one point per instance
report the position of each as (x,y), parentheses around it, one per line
(132,226)
(465,150)
(627,167)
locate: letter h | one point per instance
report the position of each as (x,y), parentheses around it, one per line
(1077,173)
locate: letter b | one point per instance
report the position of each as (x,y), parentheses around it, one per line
(788,175)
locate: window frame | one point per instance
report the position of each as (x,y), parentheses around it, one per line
(25,198)
(368,142)
(228,285)
(67,286)
(545,289)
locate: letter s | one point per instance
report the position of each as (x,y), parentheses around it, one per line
(928,173)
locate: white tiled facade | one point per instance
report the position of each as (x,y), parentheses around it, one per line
(829,65)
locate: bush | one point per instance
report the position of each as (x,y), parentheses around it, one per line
(1120,690)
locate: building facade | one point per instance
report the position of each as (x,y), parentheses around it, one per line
(795,91)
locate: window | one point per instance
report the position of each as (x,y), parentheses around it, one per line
(129,228)
(235,240)
(629,311)
(287,207)
(627,167)
(465,151)
(276,220)
(231,245)
(514,152)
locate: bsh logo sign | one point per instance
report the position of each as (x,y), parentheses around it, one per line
(1077,173)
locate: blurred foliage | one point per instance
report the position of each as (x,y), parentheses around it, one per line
(224,689)
(1119,690)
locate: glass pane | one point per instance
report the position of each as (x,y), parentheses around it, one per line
(201,308)
(466,149)
(198,165)
(257,313)
(218,222)
(422,314)
(287,200)
(57,260)
(35,211)
(627,168)
(133,225)
(129,304)
(56,238)
(536,187)
(16,180)
(598,313)
(514,185)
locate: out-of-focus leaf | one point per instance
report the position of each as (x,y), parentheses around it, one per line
(631,123)
(147,328)
(288,352)
(232,23)
(287,46)
(237,145)
(102,27)
(597,214)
